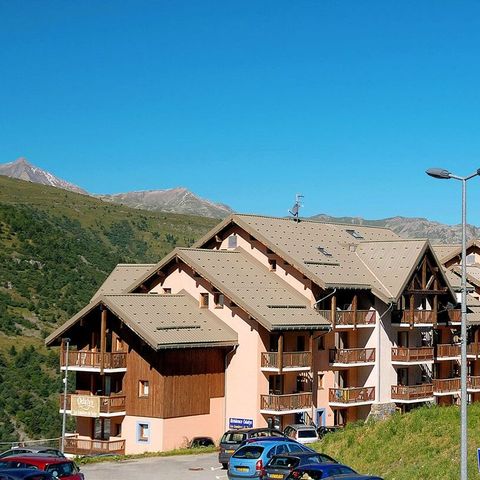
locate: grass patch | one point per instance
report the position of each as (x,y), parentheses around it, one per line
(423,444)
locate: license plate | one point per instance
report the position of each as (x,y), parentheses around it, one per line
(229,451)
(276,475)
(242,469)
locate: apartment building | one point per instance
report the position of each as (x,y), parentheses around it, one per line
(265,321)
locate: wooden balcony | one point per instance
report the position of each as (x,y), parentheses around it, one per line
(291,361)
(412,393)
(86,446)
(283,404)
(109,405)
(454,315)
(473,383)
(412,355)
(447,351)
(351,356)
(415,317)
(350,318)
(351,396)
(445,386)
(91,361)
(473,350)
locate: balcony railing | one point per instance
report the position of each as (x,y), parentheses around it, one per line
(88,359)
(352,355)
(290,360)
(447,350)
(415,317)
(412,392)
(350,317)
(446,385)
(473,349)
(454,315)
(87,446)
(108,404)
(351,395)
(418,354)
(473,382)
(279,403)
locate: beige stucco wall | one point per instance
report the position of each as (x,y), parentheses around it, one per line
(245,360)
(129,433)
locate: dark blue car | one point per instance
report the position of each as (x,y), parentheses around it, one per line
(24,474)
(330,471)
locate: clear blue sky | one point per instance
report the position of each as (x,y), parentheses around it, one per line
(249,102)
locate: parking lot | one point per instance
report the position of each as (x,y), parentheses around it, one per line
(185,467)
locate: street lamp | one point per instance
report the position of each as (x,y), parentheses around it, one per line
(445,174)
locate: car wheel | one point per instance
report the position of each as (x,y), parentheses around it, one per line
(225,466)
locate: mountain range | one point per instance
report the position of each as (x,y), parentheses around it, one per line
(181,200)
(174,200)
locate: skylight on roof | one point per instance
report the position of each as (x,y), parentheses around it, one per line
(354,233)
(324,251)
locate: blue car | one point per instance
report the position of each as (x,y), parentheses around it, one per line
(330,471)
(25,474)
(249,461)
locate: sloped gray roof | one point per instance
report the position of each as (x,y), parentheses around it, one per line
(123,275)
(163,321)
(365,260)
(261,293)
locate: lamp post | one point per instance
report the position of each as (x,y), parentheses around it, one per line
(445,174)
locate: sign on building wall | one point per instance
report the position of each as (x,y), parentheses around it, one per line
(85,406)
(240,423)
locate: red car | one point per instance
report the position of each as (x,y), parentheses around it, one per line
(61,468)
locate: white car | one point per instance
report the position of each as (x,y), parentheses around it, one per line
(301,433)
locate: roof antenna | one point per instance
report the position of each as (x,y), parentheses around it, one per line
(296,207)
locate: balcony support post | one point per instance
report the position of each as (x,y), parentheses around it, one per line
(103,338)
(334,310)
(280,353)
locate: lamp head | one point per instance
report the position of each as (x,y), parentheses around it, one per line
(440,173)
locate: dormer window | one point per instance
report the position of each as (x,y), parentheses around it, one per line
(324,251)
(232,241)
(354,233)
(204,300)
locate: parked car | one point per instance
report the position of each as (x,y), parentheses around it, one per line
(58,467)
(25,474)
(201,442)
(280,466)
(249,461)
(331,471)
(322,430)
(302,433)
(38,449)
(232,439)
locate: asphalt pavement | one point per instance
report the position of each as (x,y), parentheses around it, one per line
(181,467)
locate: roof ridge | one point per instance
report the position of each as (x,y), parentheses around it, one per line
(396,240)
(150,295)
(310,220)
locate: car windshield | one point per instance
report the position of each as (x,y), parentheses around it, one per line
(307,434)
(62,469)
(249,451)
(233,437)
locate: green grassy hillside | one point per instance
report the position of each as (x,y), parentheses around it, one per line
(421,445)
(56,248)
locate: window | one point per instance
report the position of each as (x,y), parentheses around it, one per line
(321,342)
(471,259)
(204,300)
(354,233)
(167,290)
(118,345)
(143,432)
(218,299)
(320,381)
(273,264)
(232,241)
(143,388)
(324,251)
